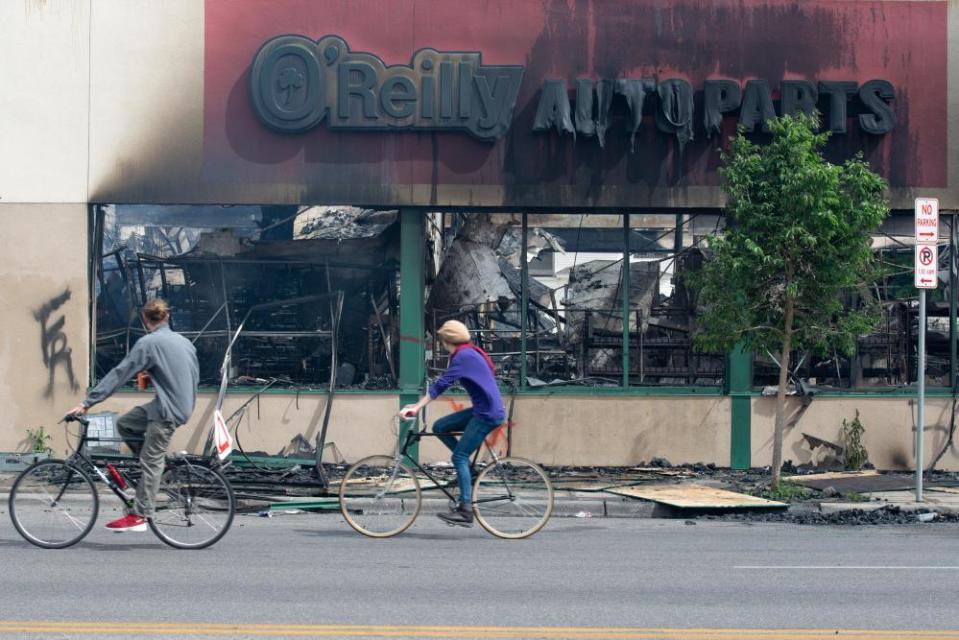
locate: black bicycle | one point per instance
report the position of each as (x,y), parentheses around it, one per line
(380,496)
(54,503)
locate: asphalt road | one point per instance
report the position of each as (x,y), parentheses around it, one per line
(312,576)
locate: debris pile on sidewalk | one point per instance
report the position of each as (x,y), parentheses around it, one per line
(889,514)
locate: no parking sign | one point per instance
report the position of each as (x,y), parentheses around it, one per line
(927,259)
(927,235)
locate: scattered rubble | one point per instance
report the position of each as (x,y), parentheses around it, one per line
(884,515)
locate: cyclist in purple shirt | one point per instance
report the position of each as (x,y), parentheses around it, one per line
(471,367)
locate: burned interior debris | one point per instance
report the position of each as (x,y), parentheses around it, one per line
(213,264)
(574,318)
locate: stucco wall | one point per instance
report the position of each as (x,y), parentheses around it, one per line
(44,104)
(583,430)
(552,430)
(146,125)
(359,424)
(889,429)
(560,430)
(43,283)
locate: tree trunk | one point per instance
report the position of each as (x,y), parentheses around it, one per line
(781,395)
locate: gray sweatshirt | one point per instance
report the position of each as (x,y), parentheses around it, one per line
(170,359)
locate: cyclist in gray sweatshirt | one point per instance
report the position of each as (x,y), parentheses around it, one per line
(170,361)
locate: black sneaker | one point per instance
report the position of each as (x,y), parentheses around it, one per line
(459,517)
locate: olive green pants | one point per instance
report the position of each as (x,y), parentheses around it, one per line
(149,440)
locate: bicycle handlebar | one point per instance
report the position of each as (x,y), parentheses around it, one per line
(76,417)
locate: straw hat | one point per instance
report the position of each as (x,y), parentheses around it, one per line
(454,332)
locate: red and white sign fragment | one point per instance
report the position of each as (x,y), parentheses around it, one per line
(221,436)
(927,220)
(927,235)
(927,271)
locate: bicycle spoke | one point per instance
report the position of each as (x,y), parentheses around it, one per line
(513,498)
(379,497)
(198,509)
(53,504)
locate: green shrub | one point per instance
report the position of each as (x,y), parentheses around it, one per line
(855,454)
(39,441)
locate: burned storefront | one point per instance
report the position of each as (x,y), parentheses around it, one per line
(547,172)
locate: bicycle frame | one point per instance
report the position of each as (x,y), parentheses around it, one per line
(413,436)
(85,462)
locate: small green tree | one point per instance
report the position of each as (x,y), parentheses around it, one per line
(797,237)
(855,455)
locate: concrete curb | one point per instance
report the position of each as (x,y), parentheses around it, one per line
(579,507)
(829,508)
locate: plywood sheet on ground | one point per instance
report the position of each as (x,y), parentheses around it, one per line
(696,496)
(853,481)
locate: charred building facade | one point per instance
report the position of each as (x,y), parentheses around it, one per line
(546,172)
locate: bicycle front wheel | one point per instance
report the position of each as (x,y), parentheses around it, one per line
(512,498)
(380,497)
(53,504)
(194,506)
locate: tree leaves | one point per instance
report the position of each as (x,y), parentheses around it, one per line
(799,228)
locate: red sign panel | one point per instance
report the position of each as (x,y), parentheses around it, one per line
(829,46)
(927,220)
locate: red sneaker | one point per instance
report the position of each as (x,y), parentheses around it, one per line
(129,522)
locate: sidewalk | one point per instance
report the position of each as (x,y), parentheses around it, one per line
(697,491)
(941,501)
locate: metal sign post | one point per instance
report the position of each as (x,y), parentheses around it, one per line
(926,277)
(921,413)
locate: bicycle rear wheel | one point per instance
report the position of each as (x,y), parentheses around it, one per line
(194,506)
(512,498)
(380,497)
(53,504)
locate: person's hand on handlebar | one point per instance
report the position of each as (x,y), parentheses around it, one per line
(79,410)
(409,411)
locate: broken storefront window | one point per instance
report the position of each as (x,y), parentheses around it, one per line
(574,319)
(473,275)
(214,264)
(664,249)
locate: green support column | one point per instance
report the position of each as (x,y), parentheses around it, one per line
(412,332)
(626,286)
(953,301)
(739,378)
(524,305)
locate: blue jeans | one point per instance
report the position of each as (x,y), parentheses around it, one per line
(474,430)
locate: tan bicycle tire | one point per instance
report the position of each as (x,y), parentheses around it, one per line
(544,494)
(409,500)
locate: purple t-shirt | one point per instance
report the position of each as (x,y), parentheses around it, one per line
(470,369)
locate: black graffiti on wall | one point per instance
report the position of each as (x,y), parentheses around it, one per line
(53,342)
